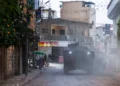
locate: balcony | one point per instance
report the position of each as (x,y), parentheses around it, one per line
(113,8)
(54,37)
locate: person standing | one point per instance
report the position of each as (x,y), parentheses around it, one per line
(44,59)
(50,57)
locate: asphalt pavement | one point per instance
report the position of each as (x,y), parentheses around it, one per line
(54,76)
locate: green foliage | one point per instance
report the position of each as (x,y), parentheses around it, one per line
(13,23)
(30,4)
(118,31)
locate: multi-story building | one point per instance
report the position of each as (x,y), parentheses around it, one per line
(104,38)
(107,44)
(114,14)
(80,11)
(56,34)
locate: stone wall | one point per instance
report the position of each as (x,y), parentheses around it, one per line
(10,61)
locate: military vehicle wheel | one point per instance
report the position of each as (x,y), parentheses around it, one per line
(66,70)
(91,71)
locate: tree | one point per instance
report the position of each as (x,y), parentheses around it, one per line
(13,22)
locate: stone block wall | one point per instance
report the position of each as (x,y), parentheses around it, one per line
(10,61)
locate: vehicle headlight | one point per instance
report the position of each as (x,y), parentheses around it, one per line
(70,52)
(88,53)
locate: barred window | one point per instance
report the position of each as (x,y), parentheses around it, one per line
(53,31)
(62,32)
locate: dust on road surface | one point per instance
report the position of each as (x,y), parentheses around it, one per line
(54,76)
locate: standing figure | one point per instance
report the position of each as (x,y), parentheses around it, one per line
(44,59)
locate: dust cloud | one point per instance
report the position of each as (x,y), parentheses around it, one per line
(107,59)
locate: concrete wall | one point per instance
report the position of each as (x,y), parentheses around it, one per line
(57,29)
(115,21)
(74,11)
(75,29)
(45,14)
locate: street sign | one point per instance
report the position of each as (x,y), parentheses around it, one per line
(107,28)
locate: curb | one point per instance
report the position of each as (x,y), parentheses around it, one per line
(27,80)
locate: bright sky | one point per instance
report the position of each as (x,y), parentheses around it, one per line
(101,5)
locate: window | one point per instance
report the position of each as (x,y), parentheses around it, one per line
(44,31)
(62,32)
(53,31)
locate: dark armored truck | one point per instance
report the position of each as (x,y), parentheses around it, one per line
(78,57)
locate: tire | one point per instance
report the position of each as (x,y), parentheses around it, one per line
(65,70)
(91,70)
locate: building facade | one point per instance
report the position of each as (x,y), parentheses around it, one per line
(47,13)
(60,33)
(80,11)
(107,44)
(104,38)
(114,14)
(12,59)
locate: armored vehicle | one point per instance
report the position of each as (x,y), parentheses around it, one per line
(78,57)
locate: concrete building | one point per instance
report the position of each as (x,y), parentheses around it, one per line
(60,33)
(107,44)
(80,11)
(104,38)
(114,14)
(46,13)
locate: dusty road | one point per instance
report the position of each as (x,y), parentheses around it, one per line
(54,76)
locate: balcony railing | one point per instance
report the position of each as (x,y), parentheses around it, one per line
(54,37)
